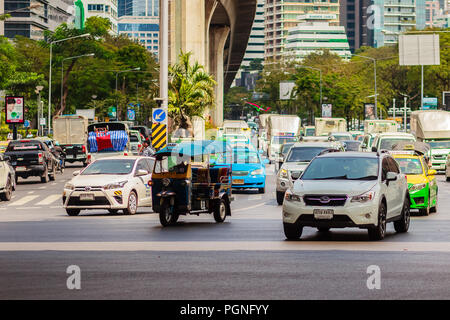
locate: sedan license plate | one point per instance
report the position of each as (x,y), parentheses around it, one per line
(87,197)
(323,213)
(19,169)
(238,181)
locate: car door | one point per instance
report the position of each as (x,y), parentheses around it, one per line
(389,191)
(432,184)
(144,195)
(397,187)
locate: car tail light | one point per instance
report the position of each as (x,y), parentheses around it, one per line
(125,153)
(40,157)
(83,148)
(89,157)
(139,146)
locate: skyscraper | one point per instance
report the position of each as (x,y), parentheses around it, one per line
(104,9)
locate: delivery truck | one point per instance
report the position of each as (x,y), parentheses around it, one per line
(379,126)
(72,134)
(325,126)
(281,129)
(433,127)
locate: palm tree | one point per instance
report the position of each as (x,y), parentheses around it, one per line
(191,91)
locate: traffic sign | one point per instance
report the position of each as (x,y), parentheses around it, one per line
(159,136)
(131,114)
(159,115)
(26,123)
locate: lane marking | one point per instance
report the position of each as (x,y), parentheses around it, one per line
(30,192)
(23,201)
(50,199)
(255,197)
(228,246)
(248,208)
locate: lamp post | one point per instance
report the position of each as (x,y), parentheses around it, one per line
(39,111)
(62,70)
(50,75)
(374,76)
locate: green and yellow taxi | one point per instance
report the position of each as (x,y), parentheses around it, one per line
(3,146)
(422,185)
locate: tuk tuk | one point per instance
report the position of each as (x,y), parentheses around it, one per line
(186,181)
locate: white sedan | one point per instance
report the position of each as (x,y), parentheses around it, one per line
(115,183)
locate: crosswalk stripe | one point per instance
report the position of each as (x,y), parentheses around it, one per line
(50,199)
(23,200)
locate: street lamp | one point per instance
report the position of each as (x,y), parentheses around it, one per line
(62,69)
(50,75)
(375,78)
(39,110)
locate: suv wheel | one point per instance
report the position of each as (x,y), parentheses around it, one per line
(73,212)
(132,204)
(378,232)
(292,231)
(220,211)
(402,225)
(6,196)
(44,177)
(280,197)
(434,208)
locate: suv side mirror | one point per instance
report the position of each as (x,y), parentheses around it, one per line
(75,173)
(374,149)
(391,176)
(141,172)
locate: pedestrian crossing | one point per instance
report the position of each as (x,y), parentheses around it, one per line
(31,201)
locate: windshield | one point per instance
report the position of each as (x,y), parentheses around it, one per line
(134,138)
(342,137)
(310,132)
(110,166)
(340,168)
(410,166)
(303,154)
(286,147)
(439,144)
(283,140)
(388,143)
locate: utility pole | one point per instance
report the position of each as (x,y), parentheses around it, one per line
(404,107)
(394,107)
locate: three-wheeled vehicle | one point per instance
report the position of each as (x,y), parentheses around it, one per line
(184,181)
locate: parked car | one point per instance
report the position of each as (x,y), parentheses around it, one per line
(348,189)
(7,178)
(115,183)
(135,142)
(31,158)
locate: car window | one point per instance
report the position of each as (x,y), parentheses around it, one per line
(110,166)
(142,165)
(393,166)
(134,138)
(150,164)
(384,168)
(303,154)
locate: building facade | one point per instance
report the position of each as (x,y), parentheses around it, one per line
(104,9)
(139,19)
(281,15)
(30,18)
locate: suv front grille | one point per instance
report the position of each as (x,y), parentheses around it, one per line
(325,200)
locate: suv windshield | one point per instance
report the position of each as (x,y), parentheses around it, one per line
(409,166)
(439,144)
(110,166)
(388,143)
(340,168)
(303,154)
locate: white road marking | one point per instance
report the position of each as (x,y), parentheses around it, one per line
(248,208)
(229,246)
(44,187)
(255,197)
(30,192)
(23,201)
(50,199)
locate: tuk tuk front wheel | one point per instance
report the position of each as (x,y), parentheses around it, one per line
(220,211)
(167,216)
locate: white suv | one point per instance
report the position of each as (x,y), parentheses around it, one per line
(348,189)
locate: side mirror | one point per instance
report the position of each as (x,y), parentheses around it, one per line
(432,172)
(391,176)
(75,173)
(374,149)
(265,161)
(141,172)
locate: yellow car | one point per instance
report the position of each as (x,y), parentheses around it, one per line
(3,146)
(422,185)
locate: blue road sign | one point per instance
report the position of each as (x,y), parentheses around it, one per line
(131,114)
(26,123)
(159,115)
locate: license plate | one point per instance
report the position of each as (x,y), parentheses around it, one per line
(323,213)
(19,169)
(86,197)
(238,181)
(70,156)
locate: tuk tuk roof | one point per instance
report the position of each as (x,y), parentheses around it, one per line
(195,148)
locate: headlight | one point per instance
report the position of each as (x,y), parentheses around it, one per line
(289,196)
(368,196)
(417,187)
(69,186)
(115,185)
(284,174)
(256,172)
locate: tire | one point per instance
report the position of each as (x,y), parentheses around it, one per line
(6,196)
(323,229)
(44,177)
(261,190)
(166,217)
(220,211)
(402,225)
(280,197)
(113,211)
(73,212)
(132,204)
(292,231)
(425,211)
(378,232)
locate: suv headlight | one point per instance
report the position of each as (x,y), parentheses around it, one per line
(256,172)
(69,186)
(368,196)
(115,185)
(417,187)
(289,196)
(284,174)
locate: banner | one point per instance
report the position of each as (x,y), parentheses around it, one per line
(14,109)
(326,110)
(369,111)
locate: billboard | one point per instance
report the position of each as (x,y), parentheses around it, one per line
(88,113)
(369,111)
(286,89)
(14,109)
(419,49)
(430,103)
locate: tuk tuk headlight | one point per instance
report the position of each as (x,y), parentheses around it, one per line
(115,185)
(165,182)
